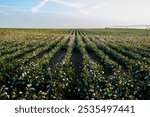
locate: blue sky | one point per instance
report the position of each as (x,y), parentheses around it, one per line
(73,13)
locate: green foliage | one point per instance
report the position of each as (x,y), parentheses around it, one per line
(114,64)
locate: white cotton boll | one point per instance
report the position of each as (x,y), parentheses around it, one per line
(29,85)
(6,88)
(20,92)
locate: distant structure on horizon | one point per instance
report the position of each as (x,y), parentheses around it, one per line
(133,26)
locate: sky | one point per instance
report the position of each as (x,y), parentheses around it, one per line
(73,13)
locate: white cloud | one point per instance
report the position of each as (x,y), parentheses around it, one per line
(85,7)
(4,12)
(4,8)
(40,5)
(7,9)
